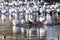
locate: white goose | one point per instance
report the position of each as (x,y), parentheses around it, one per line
(48,19)
(31,18)
(11,10)
(48,22)
(42,18)
(16,28)
(3,16)
(27,15)
(20,2)
(16,22)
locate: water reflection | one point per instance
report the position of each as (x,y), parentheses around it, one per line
(26,33)
(16,29)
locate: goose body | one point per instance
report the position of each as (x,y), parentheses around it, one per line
(31,18)
(48,19)
(3,16)
(24,21)
(49,23)
(41,19)
(26,17)
(16,22)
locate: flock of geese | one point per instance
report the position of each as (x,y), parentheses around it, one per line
(28,14)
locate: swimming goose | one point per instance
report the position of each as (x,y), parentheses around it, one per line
(16,27)
(3,16)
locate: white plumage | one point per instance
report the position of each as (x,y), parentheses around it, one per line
(48,19)
(16,22)
(41,19)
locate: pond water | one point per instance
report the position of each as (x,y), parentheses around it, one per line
(8,32)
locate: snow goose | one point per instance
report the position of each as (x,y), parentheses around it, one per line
(49,22)
(3,15)
(16,27)
(42,18)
